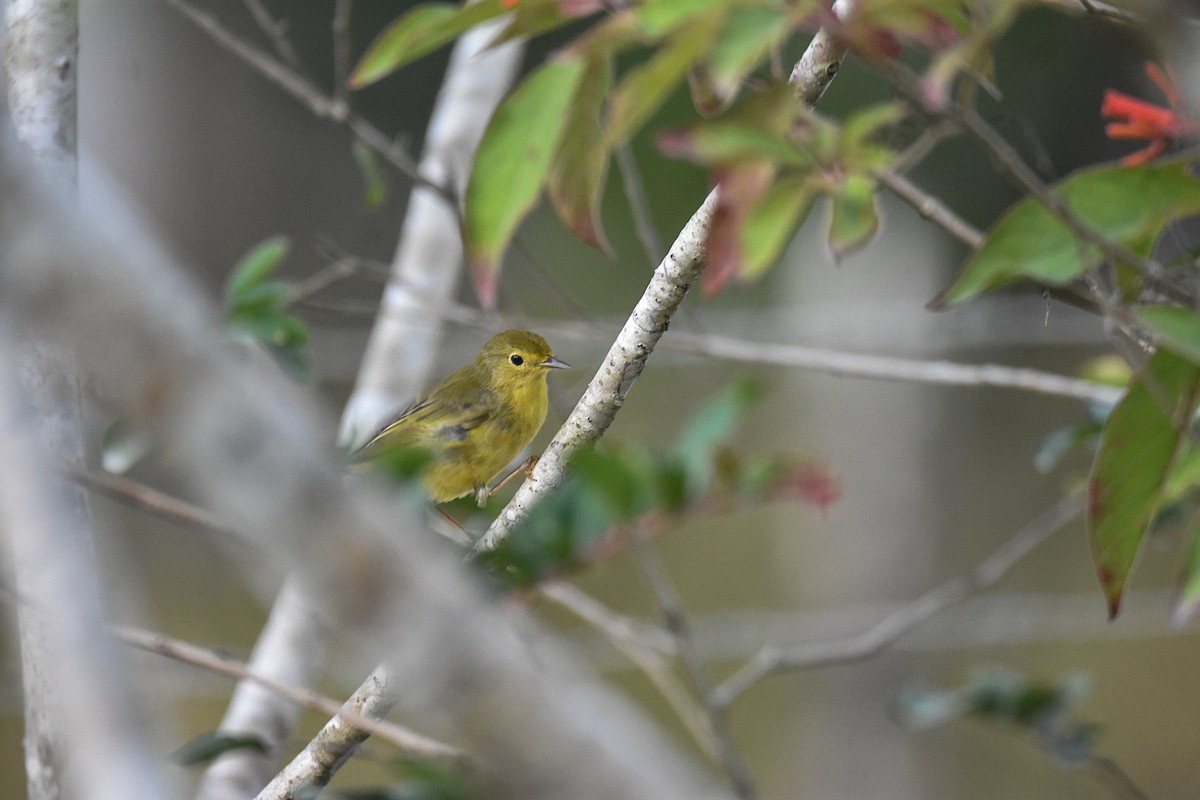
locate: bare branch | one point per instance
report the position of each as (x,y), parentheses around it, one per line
(276,31)
(773,659)
(308,93)
(342,11)
(677,623)
(41,55)
(85,733)
(643,222)
(409,742)
(642,644)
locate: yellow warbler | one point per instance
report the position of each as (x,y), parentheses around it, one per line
(478,419)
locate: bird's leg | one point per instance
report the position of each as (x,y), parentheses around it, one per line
(525,466)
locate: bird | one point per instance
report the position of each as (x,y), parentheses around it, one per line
(477,420)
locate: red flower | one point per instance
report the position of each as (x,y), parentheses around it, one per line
(1136,119)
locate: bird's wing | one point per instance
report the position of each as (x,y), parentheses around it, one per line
(434,421)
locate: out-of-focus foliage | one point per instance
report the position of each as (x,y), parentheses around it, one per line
(1006,697)
(559,128)
(256,306)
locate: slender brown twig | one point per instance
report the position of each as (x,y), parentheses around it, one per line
(679,626)
(276,31)
(639,207)
(318,102)
(772,659)
(410,742)
(342,11)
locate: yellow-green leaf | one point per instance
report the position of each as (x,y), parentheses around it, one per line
(512,163)
(749,35)
(772,222)
(417,33)
(1178,327)
(1128,205)
(854,219)
(1141,441)
(644,89)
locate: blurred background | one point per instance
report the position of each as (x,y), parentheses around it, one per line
(933,479)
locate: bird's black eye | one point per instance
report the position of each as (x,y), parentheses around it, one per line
(516,360)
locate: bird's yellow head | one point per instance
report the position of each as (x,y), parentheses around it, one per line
(517,357)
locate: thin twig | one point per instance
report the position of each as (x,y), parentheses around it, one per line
(642,644)
(1115,779)
(412,743)
(887,631)
(635,193)
(948,373)
(303,90)
(276,31)
(321,280)
(147,498)
(931,208)
(679,626)
(342,10)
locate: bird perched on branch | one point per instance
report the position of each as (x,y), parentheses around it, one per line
(476,421)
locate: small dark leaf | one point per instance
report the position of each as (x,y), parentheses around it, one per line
(709,427)
(374,173)
(255,268)
(207,746)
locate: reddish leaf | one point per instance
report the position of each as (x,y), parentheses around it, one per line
(738,189)
(576,181)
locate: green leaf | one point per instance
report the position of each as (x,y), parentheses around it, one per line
(1142,439)
(558,534)
(711,426)
(1187,596)
(615,479)
(1128,205)
(662,17)
(772,223)
(644,89)
(417,33)
(265,298)
(1185,475)
(374,173)
(749,35)
(254,268)
(854,219)
(758,127)
(207,746)
(1178,327)
(512,163)
(576,180)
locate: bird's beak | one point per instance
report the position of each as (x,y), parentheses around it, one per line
(555,363)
